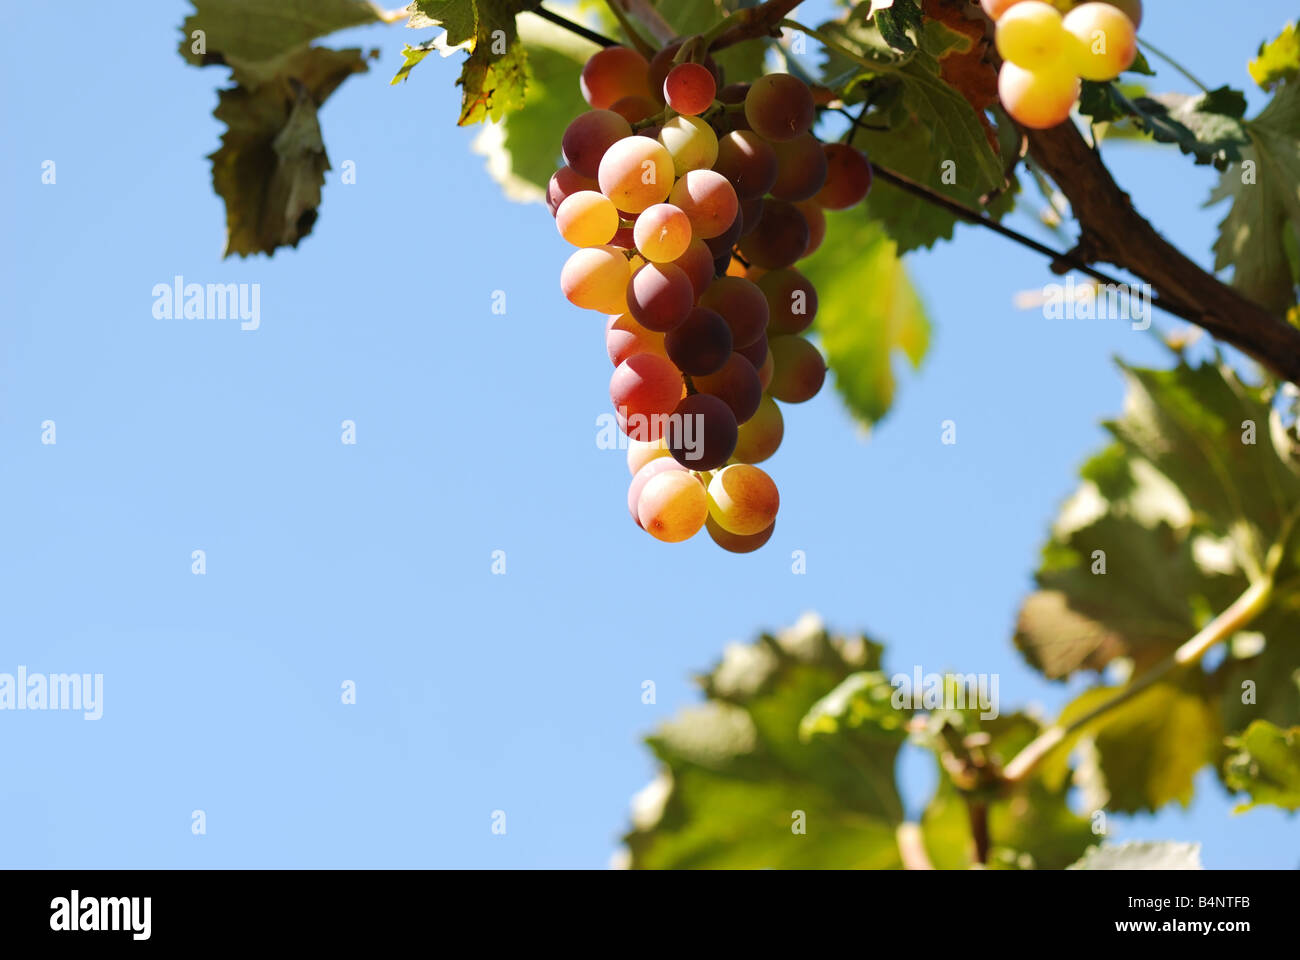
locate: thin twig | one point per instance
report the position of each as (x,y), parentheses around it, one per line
(638,42)
(577,28)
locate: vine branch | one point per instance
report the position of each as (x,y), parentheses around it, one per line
(577,28)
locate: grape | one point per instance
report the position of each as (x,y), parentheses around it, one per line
(733,543)
(700,344)
(1030,35)
(708,200)
(995,8)
(659,296)
(662,62)
(691,142)
(779,107)
(722,264)
(689,89)
(644,390)
(800,168)
(673,506)
(748,162)
(742,304)
(751,211)
(587,219)
(1105,41)
(816,225)
(791,301)
(732,93)
(587,139)
(1131,9)
(848,178)
(755,353)
(635,109)
(780,239)
(662,233)
(625,337)
(721,245)
(760,436)
(595,278)
(765,370)
(701,432)
(636,172)
(798,369)
(639,453)
(736,385)
(1037,100)
(612,74)
(564,183)
(643,475)
(625,238)
(697,261)
(743,499)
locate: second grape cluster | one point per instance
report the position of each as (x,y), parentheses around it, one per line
(690,202)
(1044,54)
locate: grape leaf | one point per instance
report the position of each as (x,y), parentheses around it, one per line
(868,309)
(1180,479)
(736,775)
(1265,194)
(1259,679)
(1265,764)
(494,77)
(272,162)
(1207,126)
(899,23)
(247,34)
(1279,58)
(1142,855)
(1149,748)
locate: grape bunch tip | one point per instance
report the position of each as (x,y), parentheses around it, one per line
(690,202)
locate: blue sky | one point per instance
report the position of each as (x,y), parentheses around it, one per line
(475,433)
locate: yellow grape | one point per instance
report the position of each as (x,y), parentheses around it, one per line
(692,143)
(760,436)
(662,233)
(641,452)
(587,219)
(995,8)
(734,543)
(743,499)
(708,199)
(673,506)
(635,173)
(1037,100)
(595,278)
(1105,40)
(1031,35)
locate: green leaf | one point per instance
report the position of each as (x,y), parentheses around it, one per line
(1260,677)
(1265,194)
(737,778)
(1265,764)
(249,34)
(1279,59)
(868,310)
(272,162)
(494,77)
(1151,747)
(1142,855)
(1207,126)
(899,23)
(1131,569)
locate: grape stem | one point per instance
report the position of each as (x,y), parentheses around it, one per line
(637,41)
(751,23)
(576,28)
(1175,64)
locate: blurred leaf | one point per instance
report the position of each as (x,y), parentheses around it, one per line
(1142,855)
(250,35)
(736,773)
(1260,677)
(1151,747)
(1208,126)
(1265,194)
(868,309)
(1265,763)
(1279,59)
(899,23)
(272,162)
(1180,482)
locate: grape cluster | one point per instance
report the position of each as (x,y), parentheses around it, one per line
(1044,54)
(690,202)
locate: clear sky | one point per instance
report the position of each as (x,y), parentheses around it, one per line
(475,433)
